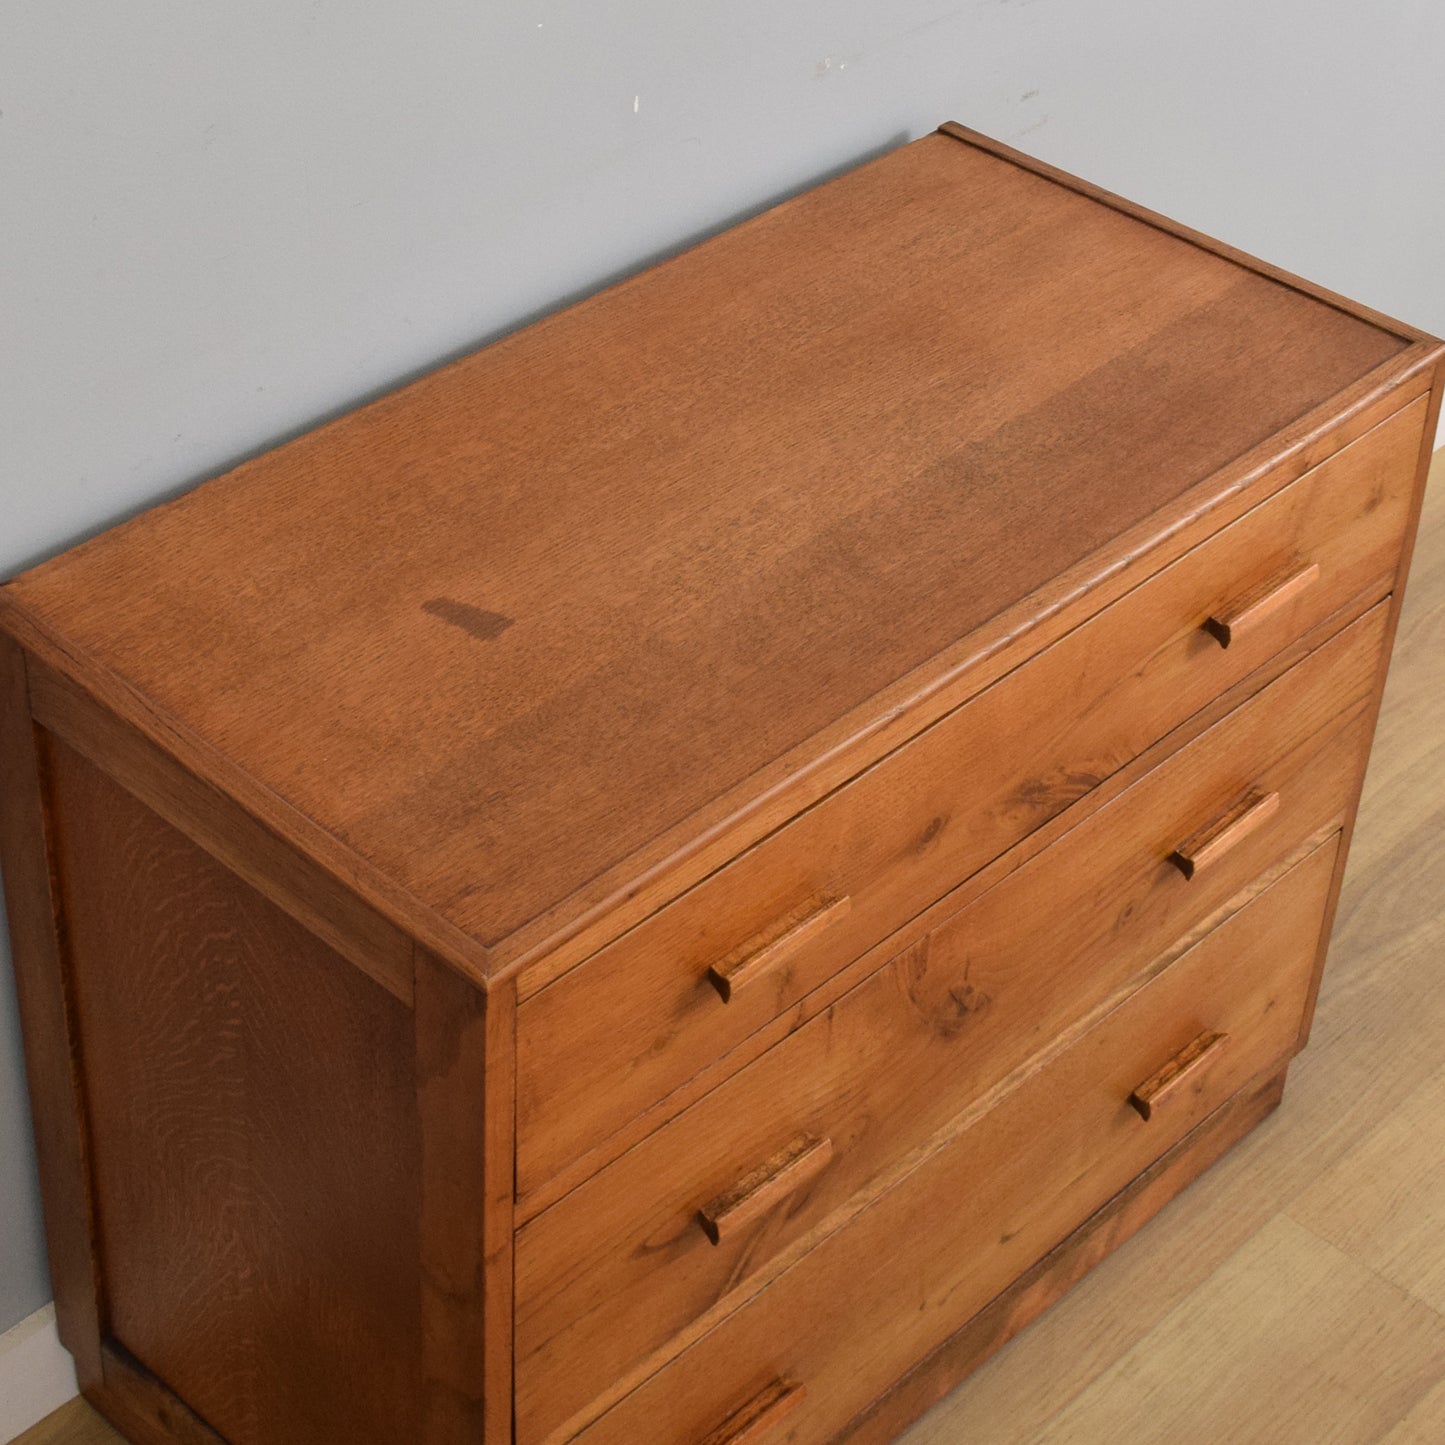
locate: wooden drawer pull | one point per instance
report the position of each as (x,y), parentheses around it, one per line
(759,1416)
(1231,828)
(1185,1066)
(756,959)
(756,1193)
(1257,607)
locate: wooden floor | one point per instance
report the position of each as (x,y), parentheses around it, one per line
(1296,1294)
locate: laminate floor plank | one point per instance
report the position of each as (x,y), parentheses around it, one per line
(1425,1424)
(72,1424)
(1292,1327)
(1381,1203)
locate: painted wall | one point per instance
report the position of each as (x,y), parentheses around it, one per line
(220,223)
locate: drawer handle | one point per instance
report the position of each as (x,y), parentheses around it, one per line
(1257,607)
(759,1416)
(1187,1065)
(1227,831)
(756,1193)
(755,959)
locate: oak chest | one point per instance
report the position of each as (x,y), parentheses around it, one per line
(679,878)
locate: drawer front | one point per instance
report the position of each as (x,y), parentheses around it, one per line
(620,1031)
(626,1260)
(875,1296)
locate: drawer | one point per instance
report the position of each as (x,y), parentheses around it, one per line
(852,1315)
(624,1261)
(640,1017)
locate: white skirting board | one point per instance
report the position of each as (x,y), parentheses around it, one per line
(37,1374)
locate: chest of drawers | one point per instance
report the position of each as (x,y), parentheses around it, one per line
(680,878)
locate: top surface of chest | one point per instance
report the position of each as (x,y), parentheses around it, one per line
(506,628)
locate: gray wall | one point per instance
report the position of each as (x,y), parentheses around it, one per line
(221,222)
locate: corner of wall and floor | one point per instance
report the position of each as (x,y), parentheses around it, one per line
(37,1374)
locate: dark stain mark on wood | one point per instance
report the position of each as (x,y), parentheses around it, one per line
(482,624)
(1055,792)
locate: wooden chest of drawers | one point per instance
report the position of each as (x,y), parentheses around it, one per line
(680,878)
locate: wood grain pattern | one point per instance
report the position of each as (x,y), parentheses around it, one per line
(755,960)
(641,553)
(533,1203)
(1171,227)
(254,1127)
(1256,607)
(1185,1070)
(632,889)
(148,1412)
(1048,1282)
(464,1048)
(565,871)
(57,1091)
(1381,1014)
(761,1190)
(926,1265)
(73,1424)
(616,1268)
(1374,1046)
(760,1417)
(1425,1424)
(1402,572)
(930,814)
(1294,1306)
(291,880)
(1222,835)
(1381,1202)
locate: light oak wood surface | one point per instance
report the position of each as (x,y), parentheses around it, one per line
(72,1424)
(1334,1201)
(1425,1424)
(1291,1307)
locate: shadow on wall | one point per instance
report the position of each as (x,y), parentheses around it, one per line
(24,1284)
